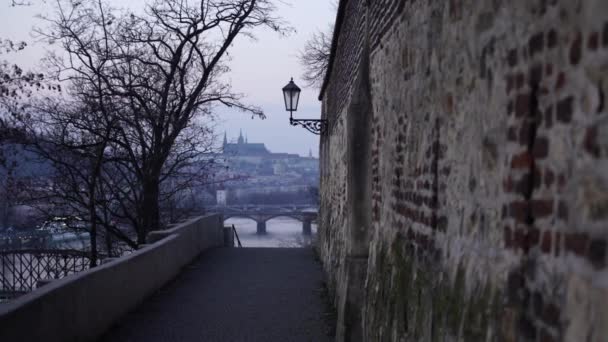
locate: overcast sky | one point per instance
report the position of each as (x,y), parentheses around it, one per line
(259,69)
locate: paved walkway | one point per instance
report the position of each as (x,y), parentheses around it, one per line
(230,294)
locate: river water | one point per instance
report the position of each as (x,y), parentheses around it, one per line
(281,232)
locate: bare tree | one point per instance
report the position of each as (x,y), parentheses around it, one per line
(315,57)
(162,71)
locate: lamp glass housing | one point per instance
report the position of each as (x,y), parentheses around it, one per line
(291,94)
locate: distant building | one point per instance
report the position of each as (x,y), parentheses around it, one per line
(243,148)
(260,171)
(221,197)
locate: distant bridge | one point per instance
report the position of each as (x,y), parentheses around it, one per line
(262,213)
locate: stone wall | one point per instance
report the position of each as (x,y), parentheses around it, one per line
(464,190)
(83,306)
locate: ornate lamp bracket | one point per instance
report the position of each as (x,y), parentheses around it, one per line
(315,126)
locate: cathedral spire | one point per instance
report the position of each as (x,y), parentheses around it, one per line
(225,140)
(241,139)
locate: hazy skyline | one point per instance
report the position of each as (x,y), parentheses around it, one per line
(259,69)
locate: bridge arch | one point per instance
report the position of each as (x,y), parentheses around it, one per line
(244,216)
(286,215)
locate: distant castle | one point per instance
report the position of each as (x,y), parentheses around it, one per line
(243,148)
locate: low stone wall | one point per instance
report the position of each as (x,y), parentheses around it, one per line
(83,306)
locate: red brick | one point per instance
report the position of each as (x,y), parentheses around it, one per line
(532,238)
(546,336)
(577,243)
(522,161)
(546,241)
(565,110)
(507,185)
(520,79)
(576,49)
(518,211)
(557,248)
(522,186)
(522,105)
(590,142)
(541,208)
(593,41)
(525,238)
(541,148)
(551,315)
(561,180)
(524,132)
(561,81)
(519,238)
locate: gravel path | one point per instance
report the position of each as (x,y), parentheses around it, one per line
(236,294)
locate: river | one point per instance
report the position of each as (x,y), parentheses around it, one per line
(282,232)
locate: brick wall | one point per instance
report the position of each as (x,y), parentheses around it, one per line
(487,172)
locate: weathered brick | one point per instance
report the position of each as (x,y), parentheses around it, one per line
(576,49)
(561,81)
(549,178)
(564,110)
(525,131)
(522,105)
(552,38)
(535,74)
(562,210)
(512,58)
(508,185)
(519,211)
(549,117)
(510,80)
(549,69)
(551,314)
(512,134)
(593,41)
(536,43)
(541,207)
(561,181)
(522,161)
(508,237)
(541,148)
(546,336)
(597,253)
(527,328)
(515,283)
(546,241)
(577,243)
(590,142)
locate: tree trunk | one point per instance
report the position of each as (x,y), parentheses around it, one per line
(150,209)
(93,233)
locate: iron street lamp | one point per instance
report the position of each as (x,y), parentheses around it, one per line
(291,93)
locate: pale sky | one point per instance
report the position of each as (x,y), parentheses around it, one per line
(260,69)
